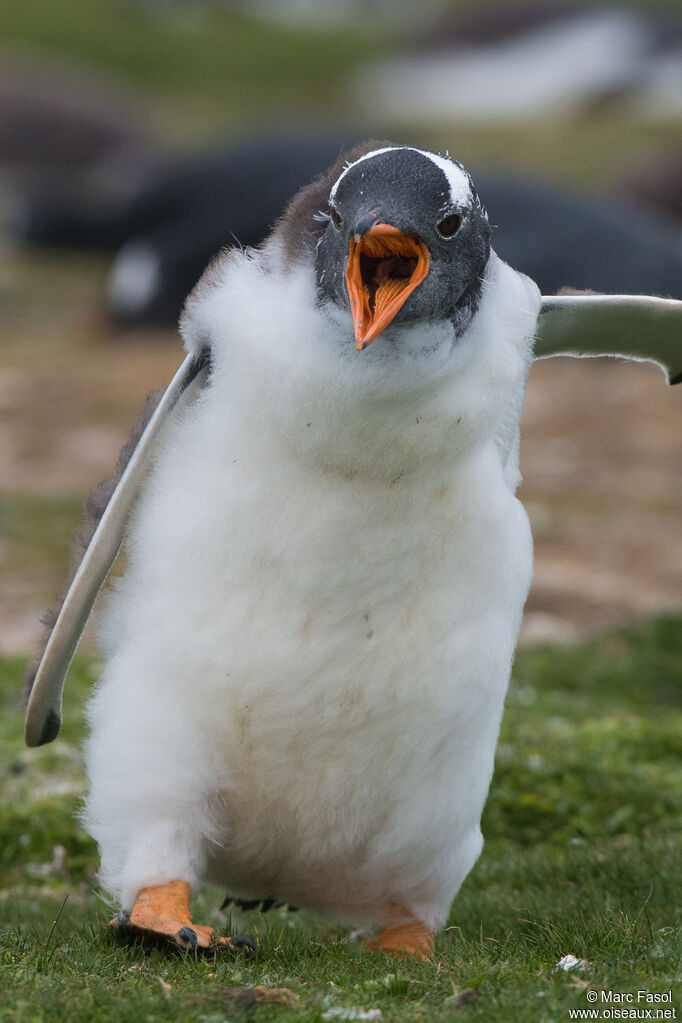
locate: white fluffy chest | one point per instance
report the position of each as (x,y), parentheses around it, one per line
(318,611)
(340,651)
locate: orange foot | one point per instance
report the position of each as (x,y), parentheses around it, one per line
(162,913)
(403,936)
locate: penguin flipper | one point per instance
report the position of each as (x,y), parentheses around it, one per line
(43,712)
(638,327)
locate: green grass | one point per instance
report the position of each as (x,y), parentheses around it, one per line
(583,856)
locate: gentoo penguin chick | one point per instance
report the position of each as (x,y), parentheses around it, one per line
(306,662)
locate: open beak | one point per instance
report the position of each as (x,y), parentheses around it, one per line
(384,267)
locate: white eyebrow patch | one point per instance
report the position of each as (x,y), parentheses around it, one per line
(458,180)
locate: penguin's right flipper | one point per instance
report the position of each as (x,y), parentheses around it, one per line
(43,713)
(639,327)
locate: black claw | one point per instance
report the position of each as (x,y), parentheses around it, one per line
(187,938)
(243,941)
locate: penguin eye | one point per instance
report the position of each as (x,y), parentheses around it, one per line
(450,226)
(336,217)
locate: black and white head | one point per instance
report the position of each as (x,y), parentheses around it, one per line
(405,239)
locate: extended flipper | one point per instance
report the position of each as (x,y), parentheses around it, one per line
(629,326)
(43,713)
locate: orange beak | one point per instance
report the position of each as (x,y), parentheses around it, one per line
(384,267)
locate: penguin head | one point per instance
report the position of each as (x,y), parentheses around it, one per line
(406,240)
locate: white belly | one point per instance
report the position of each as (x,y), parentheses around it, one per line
(315,682)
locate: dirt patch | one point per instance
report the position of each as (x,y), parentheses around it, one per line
(602,485)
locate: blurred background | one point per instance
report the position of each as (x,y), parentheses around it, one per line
(137,137)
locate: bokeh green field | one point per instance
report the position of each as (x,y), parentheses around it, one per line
(207,77)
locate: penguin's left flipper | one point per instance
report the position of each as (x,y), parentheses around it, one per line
(162,914)
(43,713)
(637,327)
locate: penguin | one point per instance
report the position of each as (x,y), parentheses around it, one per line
(306,661)
(305,664)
